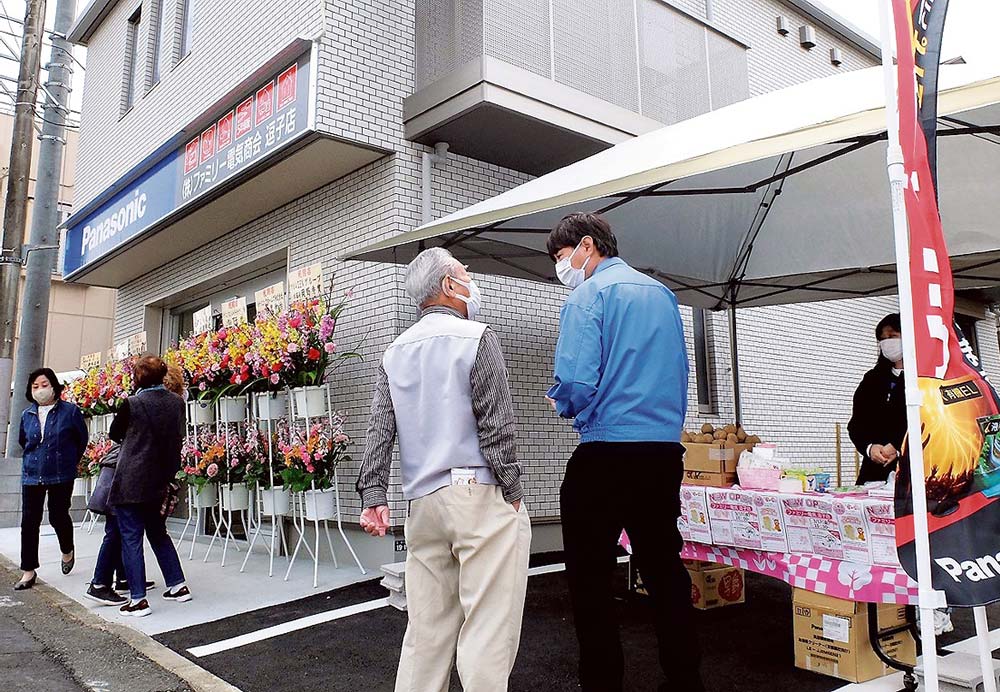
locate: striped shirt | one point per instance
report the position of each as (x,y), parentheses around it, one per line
(491,404)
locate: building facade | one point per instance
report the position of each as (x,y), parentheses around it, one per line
(363,90)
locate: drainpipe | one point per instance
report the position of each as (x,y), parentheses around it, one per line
(439,156)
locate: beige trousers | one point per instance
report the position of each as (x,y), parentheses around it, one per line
(466,574)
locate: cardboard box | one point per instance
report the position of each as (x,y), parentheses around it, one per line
(700,565)
(714,588)
(853,527)
(811,525)
(733,518)
(773,537)
(880,517)
(694,515)
(714,480)
(831,637)
(717,457)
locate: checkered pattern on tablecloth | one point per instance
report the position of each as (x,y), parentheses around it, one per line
(809,572)
(897,587)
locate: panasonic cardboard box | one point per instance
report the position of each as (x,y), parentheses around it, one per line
(831,637)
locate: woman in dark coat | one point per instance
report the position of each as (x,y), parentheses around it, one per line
(150,428)
(878,422)
(53,437)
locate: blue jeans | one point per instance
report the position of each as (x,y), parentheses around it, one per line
(133,522)
(109,558)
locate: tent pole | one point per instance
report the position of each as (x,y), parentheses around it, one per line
(929,599)
(734,355)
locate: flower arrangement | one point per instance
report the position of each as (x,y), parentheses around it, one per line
(310,456)
(102,389)
(96,451)
(203,459)
(258,467)
(293,348)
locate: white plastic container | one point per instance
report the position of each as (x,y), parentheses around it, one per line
(320,504)
(310,402)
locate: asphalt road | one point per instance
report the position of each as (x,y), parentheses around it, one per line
(747,648)
(43,648)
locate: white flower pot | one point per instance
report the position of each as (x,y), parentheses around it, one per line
(102,424)
(232,409)
(277,501)
(91,484)
(80,487)
(207,497)
(310,402)
(90,421)
(200,415)
(236,498)
(268,407)
(320,504)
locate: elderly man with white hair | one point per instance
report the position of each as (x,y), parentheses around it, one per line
(442,390)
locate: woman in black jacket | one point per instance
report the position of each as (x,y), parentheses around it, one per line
(878,422)
(150,427)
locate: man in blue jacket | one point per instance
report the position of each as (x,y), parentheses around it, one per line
(621,372)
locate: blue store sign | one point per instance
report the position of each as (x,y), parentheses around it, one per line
(265,121)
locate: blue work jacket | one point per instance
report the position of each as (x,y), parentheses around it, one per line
(53,459)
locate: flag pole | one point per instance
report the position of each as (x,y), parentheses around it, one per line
(929,599)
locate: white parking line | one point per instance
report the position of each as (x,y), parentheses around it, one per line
(329,616)
(286,627)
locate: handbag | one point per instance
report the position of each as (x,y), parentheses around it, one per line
(171,499)
(98,502)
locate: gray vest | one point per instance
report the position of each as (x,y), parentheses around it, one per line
(430,378)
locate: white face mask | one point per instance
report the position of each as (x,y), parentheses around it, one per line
(567,273)
(43,396)
(892,349)
(474,301)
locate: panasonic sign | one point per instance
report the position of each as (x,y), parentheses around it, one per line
(119,220)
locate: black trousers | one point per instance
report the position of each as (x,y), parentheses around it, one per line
(636,486)
(32,504)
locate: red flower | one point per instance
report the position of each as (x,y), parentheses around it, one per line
(276,367)
(313,354)
(265,371)
(295,322)
(224,362)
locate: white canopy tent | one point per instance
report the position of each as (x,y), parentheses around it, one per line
(777,199)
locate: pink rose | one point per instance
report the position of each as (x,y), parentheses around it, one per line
(274,378)
(212,471)
(330,347)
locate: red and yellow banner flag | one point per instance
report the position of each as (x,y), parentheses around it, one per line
(960,428)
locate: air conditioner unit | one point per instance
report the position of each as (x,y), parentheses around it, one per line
(835,57)
(807,36)
(784,27)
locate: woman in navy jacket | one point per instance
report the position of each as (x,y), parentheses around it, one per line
(54,437)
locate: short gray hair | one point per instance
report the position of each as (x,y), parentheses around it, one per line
(426,272)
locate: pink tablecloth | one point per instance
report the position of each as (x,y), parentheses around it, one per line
(848,580)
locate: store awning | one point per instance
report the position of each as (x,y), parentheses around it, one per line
(778,199)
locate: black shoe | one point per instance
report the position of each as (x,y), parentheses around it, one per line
(104,595)
(182,595)
(136,610)
(25,585)
(122,585)
(67,567)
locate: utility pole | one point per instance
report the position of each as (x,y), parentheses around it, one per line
(15,208)
(43,242)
